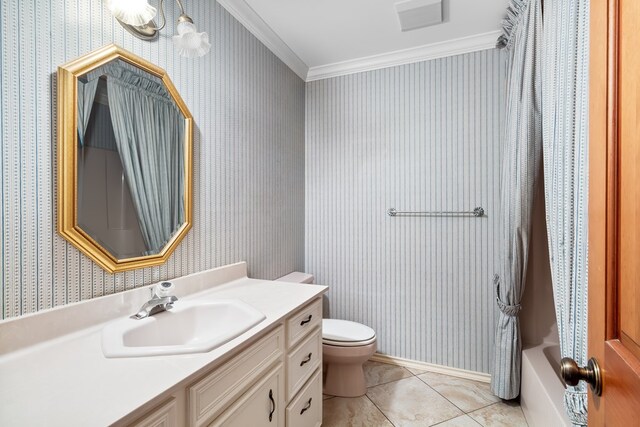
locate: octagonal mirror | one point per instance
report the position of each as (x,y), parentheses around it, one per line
(124,160)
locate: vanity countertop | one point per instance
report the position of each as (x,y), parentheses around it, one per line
(63,378)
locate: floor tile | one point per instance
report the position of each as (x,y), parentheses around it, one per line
(352,412)
(467,395)
(415,371)
(461,421)
(410,402)
(376,373)
(503,414)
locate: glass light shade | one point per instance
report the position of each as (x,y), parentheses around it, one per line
(189,42)
(132,12)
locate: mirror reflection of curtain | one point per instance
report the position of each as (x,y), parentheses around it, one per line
(149,131)
(86,95)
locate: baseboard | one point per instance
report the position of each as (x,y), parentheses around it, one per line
(430,367)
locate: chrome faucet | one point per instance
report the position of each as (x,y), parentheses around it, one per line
(160,301)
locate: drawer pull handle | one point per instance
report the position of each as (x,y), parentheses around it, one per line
(306,359)
(273,405)
(306,407)
(308,319)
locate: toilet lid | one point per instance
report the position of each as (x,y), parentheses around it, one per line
(338,331)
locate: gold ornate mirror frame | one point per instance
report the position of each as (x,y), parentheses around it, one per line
(67,134)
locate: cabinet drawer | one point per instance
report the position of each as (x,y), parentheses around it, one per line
(306,409)
(209,396)
(303,321)
(164,416)
(302,361)
(263,405)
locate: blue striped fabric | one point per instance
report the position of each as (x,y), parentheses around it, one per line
(248,153)
(565,96)
(522,154)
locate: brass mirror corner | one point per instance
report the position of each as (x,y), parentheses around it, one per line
(124,160)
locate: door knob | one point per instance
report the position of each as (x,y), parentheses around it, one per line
(572,374)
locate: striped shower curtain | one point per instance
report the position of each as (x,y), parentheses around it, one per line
(522,139)
(565,96)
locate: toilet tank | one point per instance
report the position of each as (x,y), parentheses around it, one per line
(296,277)
(299,277)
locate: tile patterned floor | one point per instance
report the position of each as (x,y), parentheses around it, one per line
(401,397)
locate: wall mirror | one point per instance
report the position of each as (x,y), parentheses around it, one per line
(124,160)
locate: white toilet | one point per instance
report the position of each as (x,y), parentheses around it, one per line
(346,346)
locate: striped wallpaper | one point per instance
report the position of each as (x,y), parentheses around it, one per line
(423,136)
(249,151)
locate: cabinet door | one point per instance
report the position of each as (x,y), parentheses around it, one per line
(211,395)
(306,409)
(261,406)
(302,322)
(303,361)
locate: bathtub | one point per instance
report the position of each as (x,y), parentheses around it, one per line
(542,392)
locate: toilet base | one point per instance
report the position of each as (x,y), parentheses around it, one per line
(345,381)
(344,376)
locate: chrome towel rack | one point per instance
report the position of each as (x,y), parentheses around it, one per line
(476,212)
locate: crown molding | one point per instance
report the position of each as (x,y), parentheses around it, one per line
(248,17)
(406,56)
(245,14)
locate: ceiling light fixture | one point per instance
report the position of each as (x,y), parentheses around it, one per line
(136,16)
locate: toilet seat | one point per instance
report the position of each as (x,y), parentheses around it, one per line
(344,333)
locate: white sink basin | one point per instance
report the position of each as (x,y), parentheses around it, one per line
(189,327)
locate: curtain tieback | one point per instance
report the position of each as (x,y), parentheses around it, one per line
(509,310)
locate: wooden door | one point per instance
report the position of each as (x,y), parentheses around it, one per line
(614,210)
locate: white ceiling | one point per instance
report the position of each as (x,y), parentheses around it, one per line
(323,33)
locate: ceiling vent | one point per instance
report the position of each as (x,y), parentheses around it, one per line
(414,14)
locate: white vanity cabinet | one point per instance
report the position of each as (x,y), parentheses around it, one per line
(304,366)
(273,368)
(276,381)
